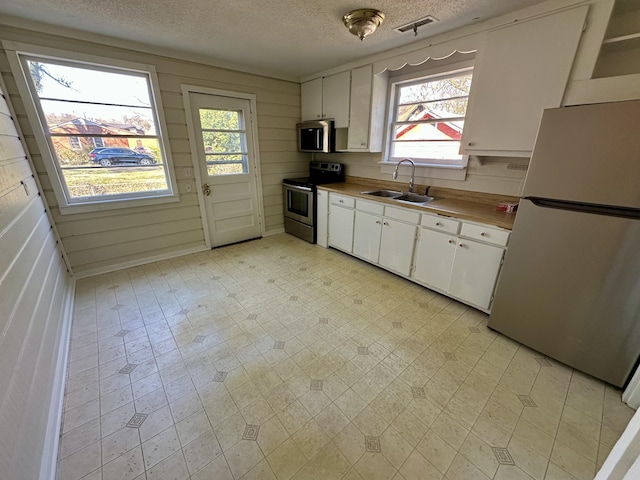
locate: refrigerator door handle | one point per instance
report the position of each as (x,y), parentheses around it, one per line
(613,211)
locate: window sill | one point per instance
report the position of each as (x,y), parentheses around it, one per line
(98,206)
(427,170)
(427,165)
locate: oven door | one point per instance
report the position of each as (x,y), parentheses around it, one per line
(298,203)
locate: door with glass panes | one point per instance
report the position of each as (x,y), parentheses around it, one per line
(227,162)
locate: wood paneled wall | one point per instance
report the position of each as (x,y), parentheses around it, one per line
(36,293)
(112,239)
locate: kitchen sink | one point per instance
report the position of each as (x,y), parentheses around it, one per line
(384,193)
(414,199)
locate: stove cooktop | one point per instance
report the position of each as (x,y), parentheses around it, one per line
(319,173)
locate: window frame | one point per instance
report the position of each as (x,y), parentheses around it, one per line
(16,54)
(415,75)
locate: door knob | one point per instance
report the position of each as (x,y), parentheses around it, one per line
(206,189)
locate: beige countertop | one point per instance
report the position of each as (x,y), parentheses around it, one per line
(474,206)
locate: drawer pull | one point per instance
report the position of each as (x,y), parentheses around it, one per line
(341,201)
(438,224)
(483,234)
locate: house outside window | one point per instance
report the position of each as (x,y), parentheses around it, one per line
(91,110)
(74,143)
(427,115)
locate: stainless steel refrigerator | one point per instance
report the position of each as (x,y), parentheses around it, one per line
(570,283)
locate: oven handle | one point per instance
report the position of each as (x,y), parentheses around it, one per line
(297,187)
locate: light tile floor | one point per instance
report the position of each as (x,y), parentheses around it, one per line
(276,359)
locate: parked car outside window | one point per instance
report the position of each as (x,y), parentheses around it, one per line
(106,156)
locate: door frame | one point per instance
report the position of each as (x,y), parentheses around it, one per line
(253,118)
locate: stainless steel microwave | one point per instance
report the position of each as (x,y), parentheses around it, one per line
(316,136)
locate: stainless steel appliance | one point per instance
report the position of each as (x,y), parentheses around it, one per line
(299,198)
(316,136)
(570,284)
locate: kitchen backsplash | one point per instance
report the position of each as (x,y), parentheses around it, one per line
(498,175)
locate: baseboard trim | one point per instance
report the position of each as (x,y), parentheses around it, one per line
(273,232)
(138,262)
(49,462)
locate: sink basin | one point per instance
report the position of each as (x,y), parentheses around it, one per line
(383,193)
(414,199)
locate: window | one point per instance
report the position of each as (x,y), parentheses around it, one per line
(225,141)
(74,143)
(100,131)
(427,118)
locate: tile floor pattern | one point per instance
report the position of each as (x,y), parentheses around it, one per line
(276,359)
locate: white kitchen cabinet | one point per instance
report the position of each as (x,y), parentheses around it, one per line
(460,265)
(327,97)
(458,258)
(361,82)
(367,230)
(341,218)
(396,246)
(385,235)
(434,258)
(474,272)
(521,70)
(615,74)
(322,218)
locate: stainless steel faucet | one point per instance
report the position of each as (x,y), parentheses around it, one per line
(413,172)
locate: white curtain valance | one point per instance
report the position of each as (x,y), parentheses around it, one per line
(468,44)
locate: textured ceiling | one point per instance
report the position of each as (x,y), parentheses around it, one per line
(287,38)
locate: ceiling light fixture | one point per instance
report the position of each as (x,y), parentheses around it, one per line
(363,22)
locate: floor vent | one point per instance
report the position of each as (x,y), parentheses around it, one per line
(415,25)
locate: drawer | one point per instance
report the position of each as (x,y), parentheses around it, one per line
(370,207)
(435,222)
(342,200)
(485,233)
(403,214)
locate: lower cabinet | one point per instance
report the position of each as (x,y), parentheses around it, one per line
(434,258)
(396,246)
(341,218)
(367,229)
(384,241)
(461,267)
(458,258)
(475,271)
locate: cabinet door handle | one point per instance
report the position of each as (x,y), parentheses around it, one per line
(482,234)
(438,224)
(385,223)
(378,222)
(462,245)
(341,201)
(452,241)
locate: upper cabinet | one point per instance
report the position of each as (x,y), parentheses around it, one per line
(616,75)
(356,100)
(327,97)
(521,70)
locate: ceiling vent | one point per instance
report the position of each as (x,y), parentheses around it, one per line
(415,25)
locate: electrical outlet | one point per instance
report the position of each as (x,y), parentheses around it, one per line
(187,172)
(187,187)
